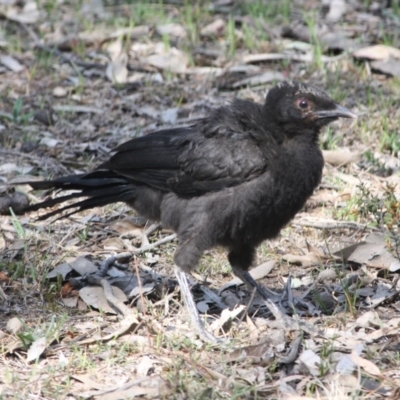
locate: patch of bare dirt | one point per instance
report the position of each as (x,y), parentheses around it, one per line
(79,78)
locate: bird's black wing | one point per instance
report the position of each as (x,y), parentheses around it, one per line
(188,162)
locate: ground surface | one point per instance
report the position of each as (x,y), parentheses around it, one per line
(77,79)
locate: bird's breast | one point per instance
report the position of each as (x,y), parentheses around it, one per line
(259,209)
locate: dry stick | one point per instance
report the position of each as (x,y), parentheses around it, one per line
(153,227)
(38,44)
(78,340)
(126,386)
(167,297)
(324,224)
(253,293)
(394,284)
(151,246)
(3,296)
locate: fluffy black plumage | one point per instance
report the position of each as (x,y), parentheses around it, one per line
(234,178)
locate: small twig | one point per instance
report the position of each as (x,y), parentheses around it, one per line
(3,296)
(152,228)
(143,249)
(77,339)
(166,298)
(324,224)
(111,391)
(4,115)
(38,44)
(30,32)
(253,293)
(394,284)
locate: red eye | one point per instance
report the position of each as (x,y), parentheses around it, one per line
(303,104)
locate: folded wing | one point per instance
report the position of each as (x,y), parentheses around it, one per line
(188,163)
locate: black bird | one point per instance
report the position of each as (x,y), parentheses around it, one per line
(234,178)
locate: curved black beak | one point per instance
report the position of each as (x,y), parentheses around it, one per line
(337,112)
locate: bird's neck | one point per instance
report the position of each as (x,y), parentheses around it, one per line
(293,131)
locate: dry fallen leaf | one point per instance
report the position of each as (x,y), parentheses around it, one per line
(215,29)
(311,360)
(174,30)
(36,349)
(7,168)
(14,325)
(135,32)
(149,287)
(367,365)
(306,260)
(371,252)
(126,227)
(368,319)
(144,366)
(3,275)
(224,321)
(341,157)
(117,71)
(94,296)
(260,79)
(77,109)
(29,14)
(11,63)
(83,266)
(172,60)
(70,302)
(114,244)
(391,66)
(377,52)
(2,240)
(261,353)
(59,91)
(62,269)
(336,9)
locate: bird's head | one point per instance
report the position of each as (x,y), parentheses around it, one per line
(301,108)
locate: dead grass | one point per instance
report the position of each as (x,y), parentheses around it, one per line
(84,77)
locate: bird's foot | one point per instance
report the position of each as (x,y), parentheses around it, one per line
(108,263)
(287,323)
(208,337)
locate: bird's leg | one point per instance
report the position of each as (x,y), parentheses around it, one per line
(240,260)
(249,281)
(191,306)
(252,284)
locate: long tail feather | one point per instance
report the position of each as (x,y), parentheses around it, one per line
(96,189)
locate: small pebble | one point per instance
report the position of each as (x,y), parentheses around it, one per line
(14,325)
(59,91)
